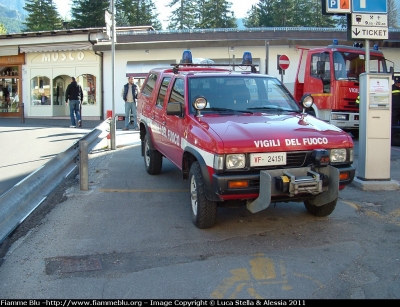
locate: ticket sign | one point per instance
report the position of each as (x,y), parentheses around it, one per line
(338,6)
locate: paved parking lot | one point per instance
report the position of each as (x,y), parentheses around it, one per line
(130,236)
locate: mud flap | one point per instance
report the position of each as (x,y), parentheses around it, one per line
(332,192)
(264,199)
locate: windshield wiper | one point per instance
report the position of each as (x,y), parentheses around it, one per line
(226,110)
(272,108)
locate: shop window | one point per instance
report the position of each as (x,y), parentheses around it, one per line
(88,84)
(9,81)
(59,88)
(40,91)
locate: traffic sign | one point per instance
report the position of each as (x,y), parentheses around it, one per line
(108,18)
(338,6)
(369,32)
(283,62)
(369,6)
(369,20)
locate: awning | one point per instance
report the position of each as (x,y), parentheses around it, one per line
(139,69)
(56,47)
(9,50)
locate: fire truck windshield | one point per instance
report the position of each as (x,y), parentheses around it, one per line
(243,93)
(349,65)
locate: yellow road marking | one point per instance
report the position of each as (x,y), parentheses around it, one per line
(237,276)
(391,216)
(355,206)
(262,268)
(262,271)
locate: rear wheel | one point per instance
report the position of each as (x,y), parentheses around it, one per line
(152,158)
(320,211)
(204,212)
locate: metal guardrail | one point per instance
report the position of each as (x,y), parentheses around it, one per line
(22,199)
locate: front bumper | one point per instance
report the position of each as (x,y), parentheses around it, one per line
(303,183)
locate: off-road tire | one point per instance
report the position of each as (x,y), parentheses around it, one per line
(320,211)
(152,158)
(204,212)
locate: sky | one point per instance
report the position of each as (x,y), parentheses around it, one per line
(240,8)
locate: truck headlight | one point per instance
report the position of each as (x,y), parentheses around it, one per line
(338,155)
(235,161)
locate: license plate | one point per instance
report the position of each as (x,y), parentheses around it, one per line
(268,159)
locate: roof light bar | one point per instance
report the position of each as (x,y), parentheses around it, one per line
(247,58)
(187,57)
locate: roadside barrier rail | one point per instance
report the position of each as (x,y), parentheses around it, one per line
(22,199)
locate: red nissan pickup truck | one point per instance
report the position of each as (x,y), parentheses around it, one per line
(240,135)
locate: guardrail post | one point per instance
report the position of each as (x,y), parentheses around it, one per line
(112,131)
(22,112)
(83,165)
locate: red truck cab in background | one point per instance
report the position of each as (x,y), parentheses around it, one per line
(331,76)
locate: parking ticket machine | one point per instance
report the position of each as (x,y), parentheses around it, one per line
(375,126)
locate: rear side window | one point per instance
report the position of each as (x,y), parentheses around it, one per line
(163,90)
(148,87)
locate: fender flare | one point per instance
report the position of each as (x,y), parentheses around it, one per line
(210,194)
(143,132)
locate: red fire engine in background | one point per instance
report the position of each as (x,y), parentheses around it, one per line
(331,75)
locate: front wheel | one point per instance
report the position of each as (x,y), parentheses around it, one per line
(152,158)
(320,211)
(204,212)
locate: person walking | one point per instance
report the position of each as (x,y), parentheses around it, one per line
(396,101)
(129,95)
(74,94)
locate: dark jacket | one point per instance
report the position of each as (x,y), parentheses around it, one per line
(73,92)
(134,91)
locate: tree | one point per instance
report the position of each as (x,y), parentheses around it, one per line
(216,14)
(392,14)
(310,15)
(3,29)
(137,13)
(185,16)
(88,13)
(288,13)
(42,16)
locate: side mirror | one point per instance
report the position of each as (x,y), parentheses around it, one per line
(175,108)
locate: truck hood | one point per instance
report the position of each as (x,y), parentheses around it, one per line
(266,132)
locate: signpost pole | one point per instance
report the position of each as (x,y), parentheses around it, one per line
(367,57)
(113,39)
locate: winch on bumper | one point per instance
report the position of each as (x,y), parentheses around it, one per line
(321,184)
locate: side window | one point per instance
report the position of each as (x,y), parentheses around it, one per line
(163,90)
(40,90)
(178,92)
(149,85)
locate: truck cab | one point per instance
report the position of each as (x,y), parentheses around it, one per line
(331,76)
